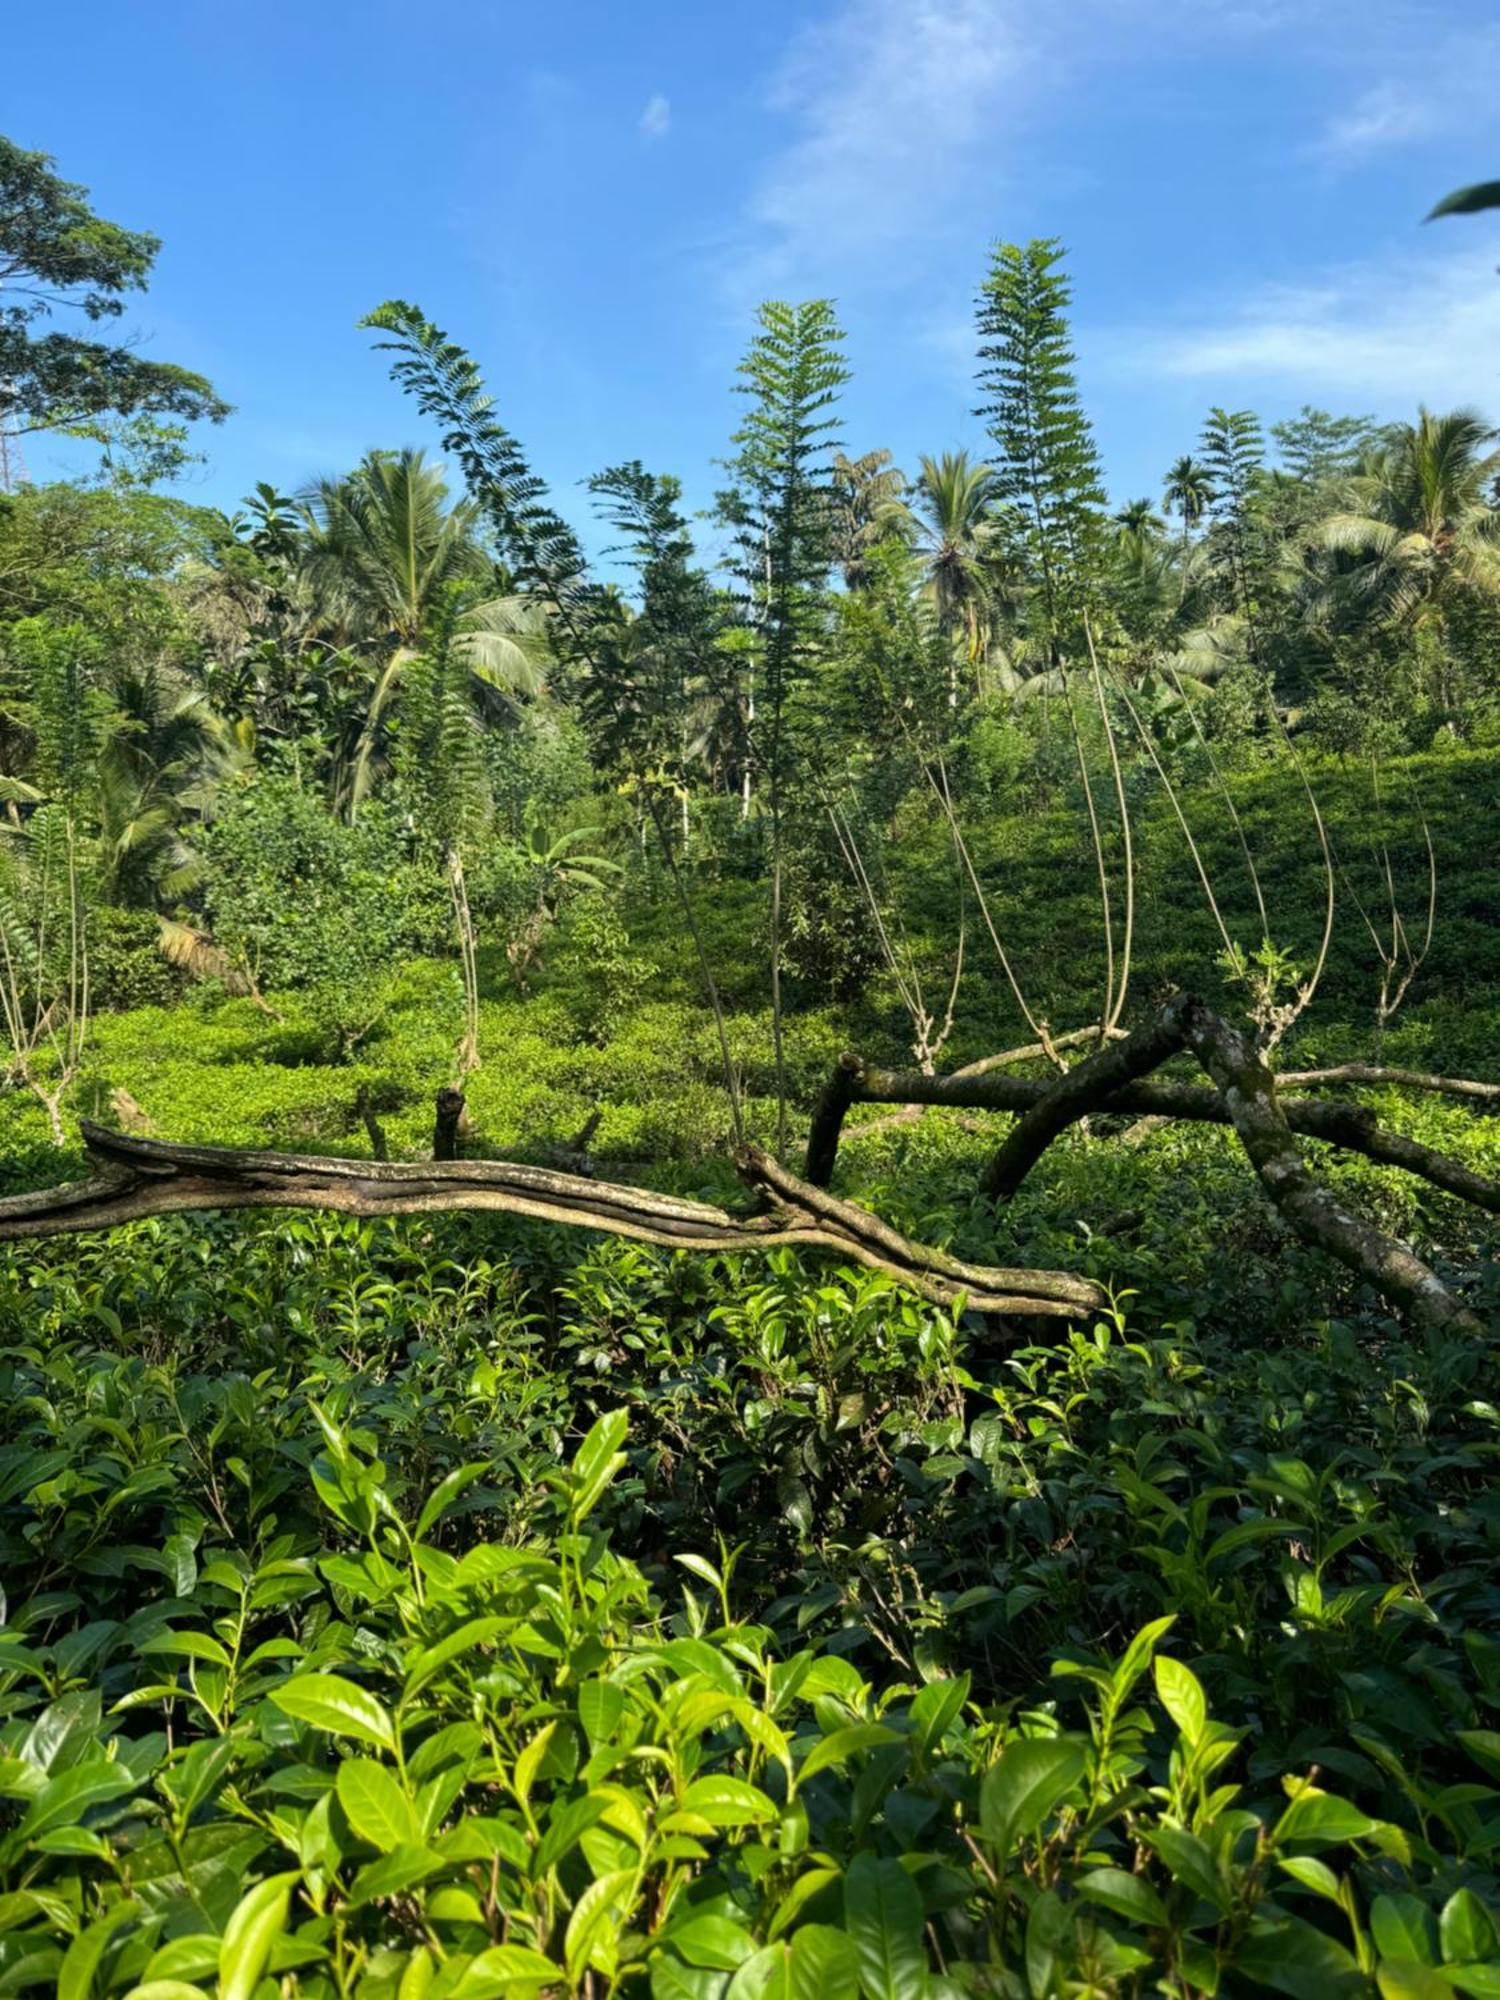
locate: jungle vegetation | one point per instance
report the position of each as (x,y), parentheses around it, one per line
(1018,886)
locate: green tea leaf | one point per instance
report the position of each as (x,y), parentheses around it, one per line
(1469,1930)
(935,1709)
(75,1979)
(884,1918)
(600,1706)
(712,1941)
(1129,1896)
(67,1798)
(1296,1958)
(1190,1861)
(725,1801)
(843,1744)
(338,1707)
(1402,1928)
(188,1646)
(1182,1696)
(445,1493)
(468,1638)
(259,1918)
(375,1805)
(1408,1979)
(1324,1818)
(394,1873)
(1034,1775)
(505,1969)
(597,1460)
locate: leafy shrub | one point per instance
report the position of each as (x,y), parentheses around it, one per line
(416,1763)
(610,975)
(302,901)
(126,966)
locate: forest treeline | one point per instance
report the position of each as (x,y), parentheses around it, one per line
(611,1592)
(397,712)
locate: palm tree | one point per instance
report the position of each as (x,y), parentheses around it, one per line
(869,507)
(385,556)
(954,501)
(1139,518)
(380,546)
(1188,493)
(1420,520)
(1419,536)
(164,758)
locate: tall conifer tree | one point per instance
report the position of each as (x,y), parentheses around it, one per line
(1047,465)
(784,519)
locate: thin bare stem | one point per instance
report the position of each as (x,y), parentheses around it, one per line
(1226,795)
(1106,1012)
(1176,803)
(1127,941)
(1305,992)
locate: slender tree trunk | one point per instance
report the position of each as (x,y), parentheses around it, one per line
(468,958)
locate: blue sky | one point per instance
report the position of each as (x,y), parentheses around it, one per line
(593,197)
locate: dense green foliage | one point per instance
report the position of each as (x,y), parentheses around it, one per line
(403,1682)
(54,251)
(458,1607)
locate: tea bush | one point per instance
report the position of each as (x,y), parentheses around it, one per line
(432,1608)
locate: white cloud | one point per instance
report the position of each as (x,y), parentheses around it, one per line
(1444,88)
(1389,115)
(1394,332)
(656,119)
(908,120)
(889,101)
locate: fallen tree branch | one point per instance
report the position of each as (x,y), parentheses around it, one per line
(1408,1079)
(1112,1080)
(1087,1088)
(1314,1212)
(1352,1127)
(141,1177)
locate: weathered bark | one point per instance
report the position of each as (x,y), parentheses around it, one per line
(374,1130)
(1247,1090)
(1314,1212)
(1244,1096)
(868,1228)
(1082,1090)
(828,1118)
(1351,1127)
(141,1177)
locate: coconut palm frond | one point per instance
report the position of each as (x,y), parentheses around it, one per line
(195,953)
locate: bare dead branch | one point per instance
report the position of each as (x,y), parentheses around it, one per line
(141,1177)
(1350,1127)
(1408,1079)
(1247,1092)
(450,1111)
(1087,1088)
(1127,939)
(1313,1211)
(1244,1096)
(1035,1051)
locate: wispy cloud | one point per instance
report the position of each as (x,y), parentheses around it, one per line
(1444,86)
(656,119)
(1391,331)
(888,102)
(907,121)
(1390,115)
